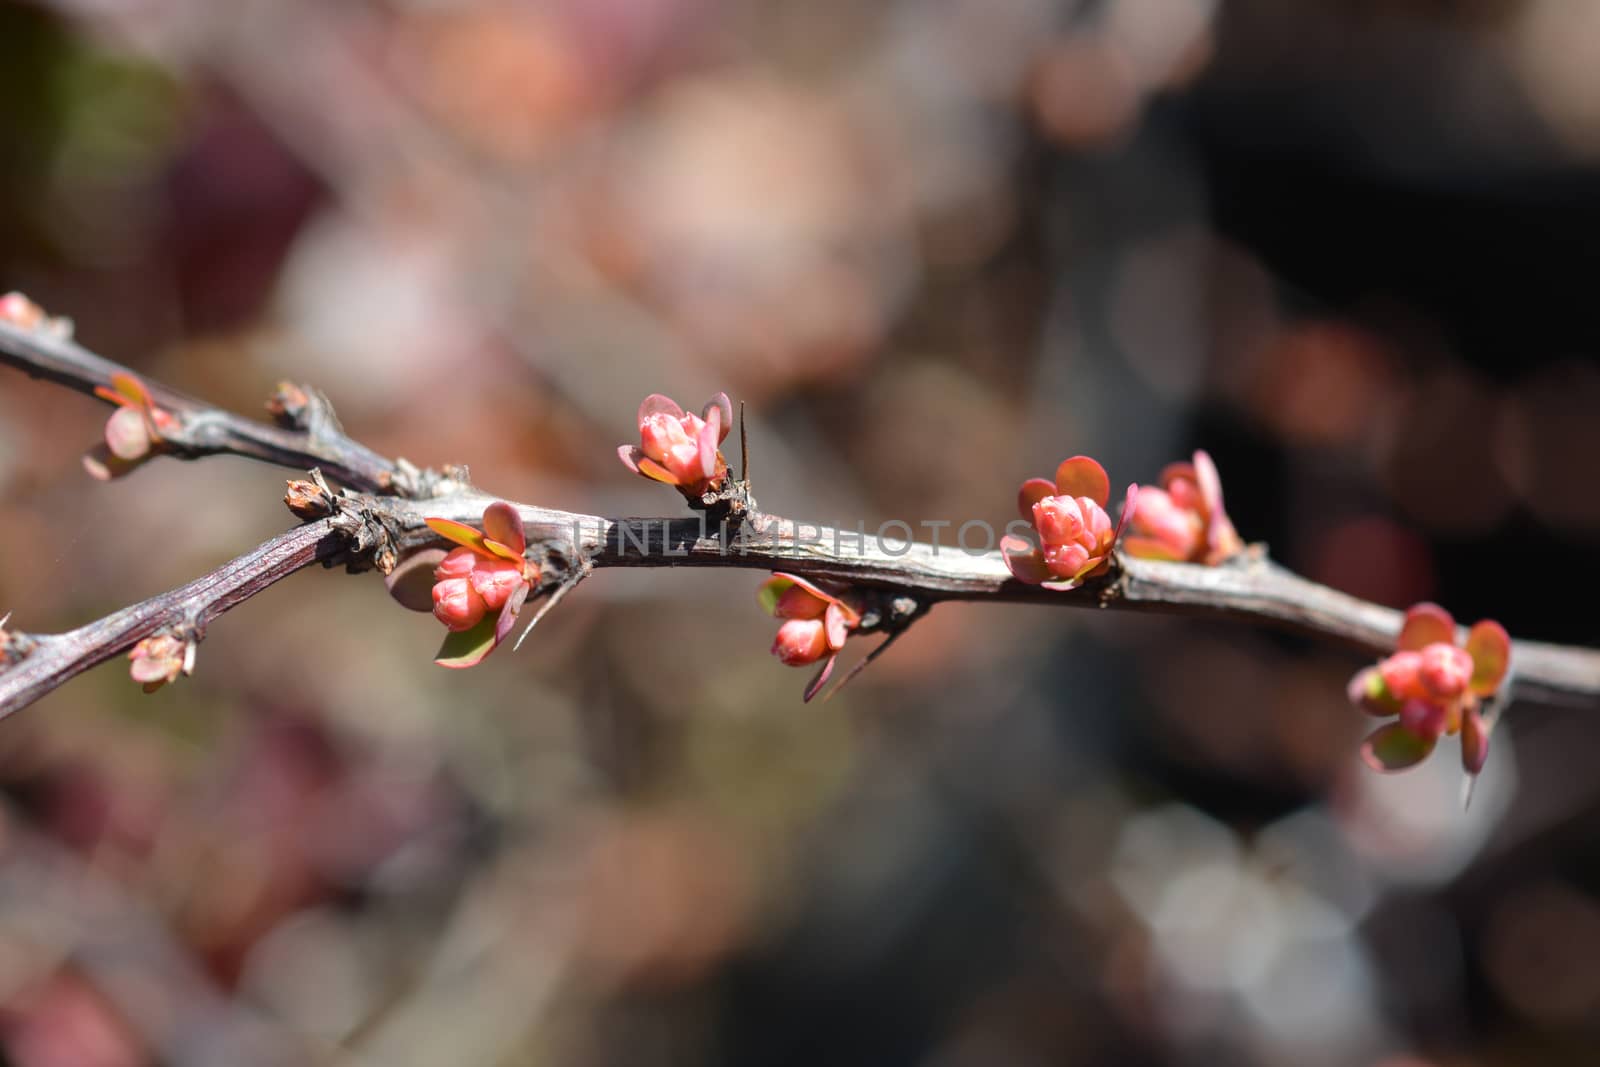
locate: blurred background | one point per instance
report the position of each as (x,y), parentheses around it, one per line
(1351,247)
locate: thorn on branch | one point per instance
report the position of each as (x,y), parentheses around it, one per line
(571,573)
(882,612)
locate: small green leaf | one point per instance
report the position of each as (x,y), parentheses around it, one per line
(1394,748)
(1369,692)
(771,589)
(466,648)
(460,533)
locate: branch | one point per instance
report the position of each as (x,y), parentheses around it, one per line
(48,660)
(316,439)
(908,576)
(1250,589)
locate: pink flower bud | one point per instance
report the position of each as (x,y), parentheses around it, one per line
(1065,561)
(19,311)
(458,564)
(679,448)
(1158,516)
(1400,675)
(1059,519)
(457,604)
(157,660)
(495,580)
(672,442)
(800,641)
(798,602)
(1426,720)
(1444,670)
(1434,686)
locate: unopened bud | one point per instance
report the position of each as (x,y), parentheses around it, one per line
(307,499)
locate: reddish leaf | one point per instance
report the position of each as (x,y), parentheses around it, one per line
(1426,623)
(502,523)
(1490,648)
(1173,472)
(1024,561)
(710,434)
(1082,476)
(1127,510)
(1394,748)
(1033,490)
(411,582)
(1210,483)
(508,613)
(724,408)
(656,404)
(837,626)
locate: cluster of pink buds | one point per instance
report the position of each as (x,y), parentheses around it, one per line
(1069,516)
(816,623)
(134,432)
(1183,519)
(157,660)
(1434,687)
(479,587)
(17,310)
(680,449)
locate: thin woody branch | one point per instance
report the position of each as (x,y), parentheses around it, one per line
(367,528)
(41,662)
(314,438)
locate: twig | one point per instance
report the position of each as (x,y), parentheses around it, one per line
(204,430)
(48,660)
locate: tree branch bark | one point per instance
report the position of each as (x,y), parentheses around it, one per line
(204,430)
